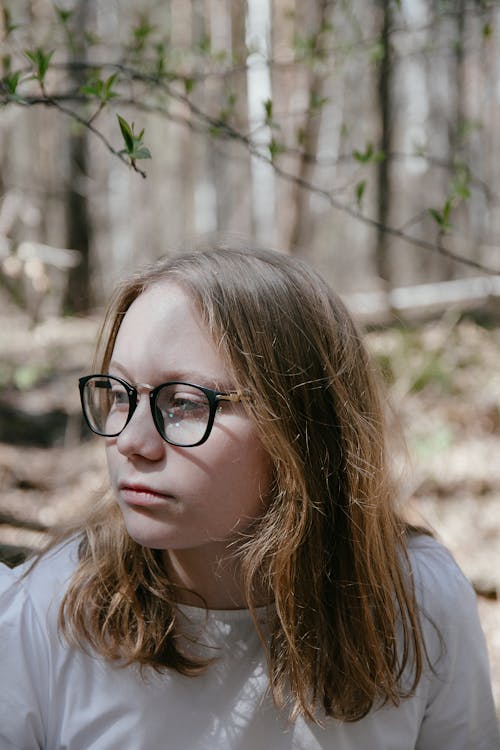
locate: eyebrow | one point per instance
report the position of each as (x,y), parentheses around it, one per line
(187,376)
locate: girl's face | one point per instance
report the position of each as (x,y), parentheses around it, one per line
(172,498)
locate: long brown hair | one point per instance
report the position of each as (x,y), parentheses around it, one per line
(330,548)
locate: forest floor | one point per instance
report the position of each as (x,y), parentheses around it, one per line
(444,381)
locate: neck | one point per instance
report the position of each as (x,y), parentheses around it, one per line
(215,578)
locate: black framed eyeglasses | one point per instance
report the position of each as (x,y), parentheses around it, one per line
(183,413)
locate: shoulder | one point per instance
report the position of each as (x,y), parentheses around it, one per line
(459,710)
(38,584)
(28,642)
(436,575)
(445,597)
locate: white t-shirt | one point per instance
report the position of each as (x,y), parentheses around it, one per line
(56,697)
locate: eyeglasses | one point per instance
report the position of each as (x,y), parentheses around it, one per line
(183,413)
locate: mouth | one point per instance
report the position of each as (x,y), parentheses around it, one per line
(143,496)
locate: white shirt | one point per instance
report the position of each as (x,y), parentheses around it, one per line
(56,697)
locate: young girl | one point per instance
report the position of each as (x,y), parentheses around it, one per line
(248,583)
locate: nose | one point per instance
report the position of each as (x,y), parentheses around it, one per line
(140,437)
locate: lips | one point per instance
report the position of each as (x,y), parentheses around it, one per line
(139,494)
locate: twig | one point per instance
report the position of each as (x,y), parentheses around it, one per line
(51,101)
(88,124)
(228,131)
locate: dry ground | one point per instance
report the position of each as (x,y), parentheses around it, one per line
(444,381)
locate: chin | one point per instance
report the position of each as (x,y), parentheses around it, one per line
(145,540)
(146,532)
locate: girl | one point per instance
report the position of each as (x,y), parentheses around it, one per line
(249,583)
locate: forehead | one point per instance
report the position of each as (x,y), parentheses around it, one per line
(162,333)
(162,303)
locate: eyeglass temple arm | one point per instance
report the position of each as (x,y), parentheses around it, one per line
(234,396)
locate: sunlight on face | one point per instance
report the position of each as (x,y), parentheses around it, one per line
(173,498)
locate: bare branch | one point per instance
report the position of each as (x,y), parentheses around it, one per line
(202,121)
(55,102)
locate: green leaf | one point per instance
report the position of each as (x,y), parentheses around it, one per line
(369,155)
(466,127)
(142,153)
(363,156)
(7,22)
(441,217)
(91,89)
(6,64)
(487,31)
(40,61)
(102,90)
(205,45)
(108,85)
(141,34)
(459,187)
(275,149)
(160,49)
(447,210)
(316,102)
(189,85)
(11,82)
(460,190)
(305,47)
(134,147)
(436,215)
(228,111)
(220,56)
(377,52)
(268,109)
(360,191)
(91,39)
(127,133)
(62,14)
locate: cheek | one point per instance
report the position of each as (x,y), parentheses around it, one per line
(111,461)
(242,474)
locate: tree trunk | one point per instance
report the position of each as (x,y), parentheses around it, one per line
(456,127)
(302,226)
(78,295)
(382,251)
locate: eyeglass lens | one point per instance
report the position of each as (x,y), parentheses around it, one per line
(182,411)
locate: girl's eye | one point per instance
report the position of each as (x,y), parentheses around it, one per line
(119,398)
(185,405)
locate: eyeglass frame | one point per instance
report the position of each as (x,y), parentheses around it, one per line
(214,398)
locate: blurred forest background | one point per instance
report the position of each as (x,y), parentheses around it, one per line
(361,136)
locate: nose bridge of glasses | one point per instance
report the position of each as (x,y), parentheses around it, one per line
(140,390)
(143,388)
